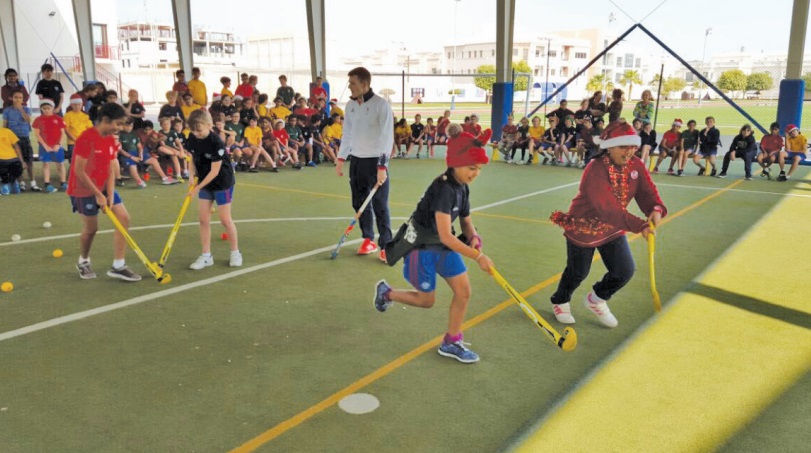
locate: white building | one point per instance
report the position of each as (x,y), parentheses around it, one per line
(151,45)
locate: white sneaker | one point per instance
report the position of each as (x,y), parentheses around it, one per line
(600,308)
(563,313)
(236,259)
(202,261)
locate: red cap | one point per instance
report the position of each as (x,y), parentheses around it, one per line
(791,127)
(467,150)
(619,133)
(75,98)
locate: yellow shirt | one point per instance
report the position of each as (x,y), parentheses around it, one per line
(226,92)
(797,144)
(253,134)
(336,109)
(187,109)
(198,92)
(401,131)
(279,113)
(76,123)
(7,141)
(536,132)
(262,111)
(333,132)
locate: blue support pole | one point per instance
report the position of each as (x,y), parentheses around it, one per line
(588,65)
(501,108)
(790,103)
(704,79)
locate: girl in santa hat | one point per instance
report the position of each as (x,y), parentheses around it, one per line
(598,219)
(436,250)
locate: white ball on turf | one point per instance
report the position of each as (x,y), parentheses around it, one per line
(15,237)
(46,225)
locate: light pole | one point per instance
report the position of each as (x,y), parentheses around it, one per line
(703,55)
(453,71)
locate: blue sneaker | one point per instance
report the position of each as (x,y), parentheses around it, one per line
(5,189)
(50,189)
(458,351)
(64,187)
(311,164)
(381,289)
(15,187)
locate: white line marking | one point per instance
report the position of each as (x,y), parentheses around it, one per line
(736,190)
(167,292)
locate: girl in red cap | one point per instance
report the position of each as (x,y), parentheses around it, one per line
(430,247)
(598,219)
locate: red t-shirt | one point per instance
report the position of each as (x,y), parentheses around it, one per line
(50,127)
(442,125)
(509,129)
(245,90)
(318,93)
(307,111)
(281,135)
(99,152)
(474,130)
(771,143)
(180,87)
(671,139)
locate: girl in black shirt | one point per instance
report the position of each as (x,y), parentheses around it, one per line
(743,146)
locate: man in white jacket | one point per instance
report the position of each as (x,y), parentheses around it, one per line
(368,137)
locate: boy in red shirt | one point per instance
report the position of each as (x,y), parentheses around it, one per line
(770,147)
(50,129)
(598,219)
(670,146)
(92,186)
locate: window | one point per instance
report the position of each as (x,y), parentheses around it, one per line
(433,71)
(449,55)
(619,62)
(551,72)
(629,60)
(526,54)
(537,51)
(536,72)
(515,52)
(553,53)
(493,53)
(480,53)
(617,78)
(688,77)
(581,55)
(638,62)
(418,92)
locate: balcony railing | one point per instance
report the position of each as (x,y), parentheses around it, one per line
(106,52)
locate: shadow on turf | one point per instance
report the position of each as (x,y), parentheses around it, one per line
(761,307)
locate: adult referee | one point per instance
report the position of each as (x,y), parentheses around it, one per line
(368,137)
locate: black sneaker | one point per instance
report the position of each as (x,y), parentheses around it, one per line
(680,173)
(125,273)
(766,174)
(274,170)
(748,178)
(85,272)
(701,170)
(253,170)
(782,176)
(720,175)
(713,172)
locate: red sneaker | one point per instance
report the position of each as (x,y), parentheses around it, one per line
(368,247)
(383,256)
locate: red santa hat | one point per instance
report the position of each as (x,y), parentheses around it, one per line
(791,127)
(678,122)
(217,97)
(75,98)
(46,101)
(619,133)
(465,149)
(333,101)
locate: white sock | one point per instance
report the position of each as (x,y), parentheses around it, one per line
(83,260)
(207,255)
(118,264)
(235,252)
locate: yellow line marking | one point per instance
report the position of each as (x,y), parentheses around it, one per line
(509,217)
(381,372)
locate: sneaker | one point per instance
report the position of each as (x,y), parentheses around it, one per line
(274,170)
(311,164)
(15,187)
(63,187)
(253,170)
(185,175)
(458,351)
(545,161)
(35,187)
(712,173)
(125,273)
(50,189)
(201,262)
(236,259)
(720,175)
(381,302)
(563,313)
(528,162)
(22,186)
(680,173)
(655,170)
(297,166)
(701,170)
(142,185)
(600,308)
(748,178)
(5,189)
(85,272)
(670,171)
(368,247)
(383,256)
(168,181)
(119,182)
(766,174)
(782,176)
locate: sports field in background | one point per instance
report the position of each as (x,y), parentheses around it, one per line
(256,358)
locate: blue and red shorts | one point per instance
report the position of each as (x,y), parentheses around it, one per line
(421,267)
(87,206)
(222,197)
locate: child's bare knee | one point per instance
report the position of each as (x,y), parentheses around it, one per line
(427,299)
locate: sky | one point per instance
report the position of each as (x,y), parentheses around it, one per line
(358,27)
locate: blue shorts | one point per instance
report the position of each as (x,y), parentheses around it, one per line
(421,267)
(792,155)
(707,153)
(547,145)
(51,156)
(87,206)
(129,162)
(222,197)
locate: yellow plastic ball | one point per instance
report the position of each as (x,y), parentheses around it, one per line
(6,287)
(57,253)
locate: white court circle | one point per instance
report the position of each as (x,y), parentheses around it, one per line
(359,403)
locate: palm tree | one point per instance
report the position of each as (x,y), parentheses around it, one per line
(630,77)
(600,82)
